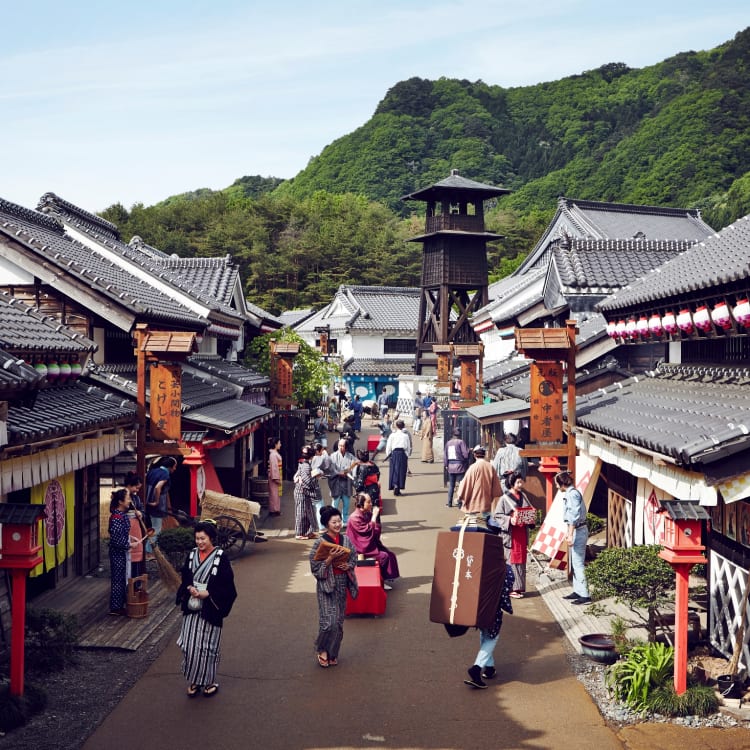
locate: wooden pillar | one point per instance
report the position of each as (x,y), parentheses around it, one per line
(571,326)
(682,574)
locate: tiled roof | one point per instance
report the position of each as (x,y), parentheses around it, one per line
(691,414)
(146,262)
(602,266)
(263,314)
(204,401)
(228,415)
(455,183)
(292,317)
(23,329)
(599,220)
(369,308)
(718,262)
(44,237)
(67,410)
(231,371)
(16,377)
(495,372)
(392,366)
(215,277)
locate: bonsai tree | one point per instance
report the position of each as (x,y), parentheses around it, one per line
(635,576)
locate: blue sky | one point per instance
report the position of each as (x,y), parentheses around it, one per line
(133,102)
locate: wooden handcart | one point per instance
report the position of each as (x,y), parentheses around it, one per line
(235,518)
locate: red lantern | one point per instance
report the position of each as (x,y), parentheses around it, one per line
(669,323)
(702,319)
(654,325)
(641,326)
(720,315)
(612,329)
(685,321)
(741,312)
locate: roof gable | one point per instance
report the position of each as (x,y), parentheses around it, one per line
(599,220)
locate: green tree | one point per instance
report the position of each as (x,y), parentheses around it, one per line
(312,373)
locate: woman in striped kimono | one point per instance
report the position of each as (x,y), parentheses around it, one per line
(334,575)
(206,596)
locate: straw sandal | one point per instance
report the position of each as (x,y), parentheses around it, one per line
(210,690)
(193,690)
(323,661)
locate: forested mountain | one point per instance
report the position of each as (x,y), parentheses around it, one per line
(673,134)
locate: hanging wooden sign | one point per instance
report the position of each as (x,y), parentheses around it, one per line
(546,402)
(166,401)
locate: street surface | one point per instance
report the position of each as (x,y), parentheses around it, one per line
(399,682)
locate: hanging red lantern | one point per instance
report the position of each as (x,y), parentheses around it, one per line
(685,321)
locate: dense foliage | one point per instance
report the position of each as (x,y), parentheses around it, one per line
(312,373)
(674,134)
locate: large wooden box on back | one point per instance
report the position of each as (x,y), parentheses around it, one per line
(468,578)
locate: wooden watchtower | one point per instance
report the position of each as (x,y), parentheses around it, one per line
(454,263)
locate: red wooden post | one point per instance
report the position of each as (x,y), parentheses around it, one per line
(18,631)
(682,574)
(549,466)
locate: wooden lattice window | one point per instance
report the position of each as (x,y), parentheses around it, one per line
(619,521)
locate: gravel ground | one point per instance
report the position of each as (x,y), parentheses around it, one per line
(591,675)
(81,696)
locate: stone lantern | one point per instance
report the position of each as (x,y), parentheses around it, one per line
(20,553)
(682,548)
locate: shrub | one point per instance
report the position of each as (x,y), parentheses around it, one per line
(51,637)
(645,667)
(697,700)
(594,523)
(177,540)
(636,576)
(16,710)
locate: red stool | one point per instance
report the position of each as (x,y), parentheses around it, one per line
(372,596)
(372,443)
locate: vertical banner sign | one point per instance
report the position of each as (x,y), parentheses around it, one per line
(166,401)
(444,368)
(546,402)
(323,343)
(468,379)
(285,370)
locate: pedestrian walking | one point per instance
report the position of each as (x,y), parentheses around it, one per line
(158,499)
(427,434)
(306,492)
(398,450)
(334,576)
(509,458)
(385,427)
(206,596)
(456,461)
(340,479)
(480,486)
(320,464)
(484,663)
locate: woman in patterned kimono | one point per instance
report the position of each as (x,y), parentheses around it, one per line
(119,547)
(206,596)
(334,576)
(306,491)
(515,537)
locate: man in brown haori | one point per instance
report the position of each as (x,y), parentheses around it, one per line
(480,486)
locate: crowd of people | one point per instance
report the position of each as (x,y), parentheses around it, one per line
(345,525)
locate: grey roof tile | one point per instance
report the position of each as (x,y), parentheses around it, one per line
(602,266)
(67,410)
(16,376)
(386,366)
(228,415)
(230,371)
(691,414)
(369,308)
(24,329)
(45,237)
(715,263)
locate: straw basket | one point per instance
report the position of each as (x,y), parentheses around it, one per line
(217,504)
(137,602)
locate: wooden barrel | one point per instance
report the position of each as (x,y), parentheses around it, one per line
(259,490)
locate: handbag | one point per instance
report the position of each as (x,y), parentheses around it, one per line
(524,516)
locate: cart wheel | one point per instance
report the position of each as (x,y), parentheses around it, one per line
(231,537)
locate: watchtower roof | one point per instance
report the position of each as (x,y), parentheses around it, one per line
(458,186)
